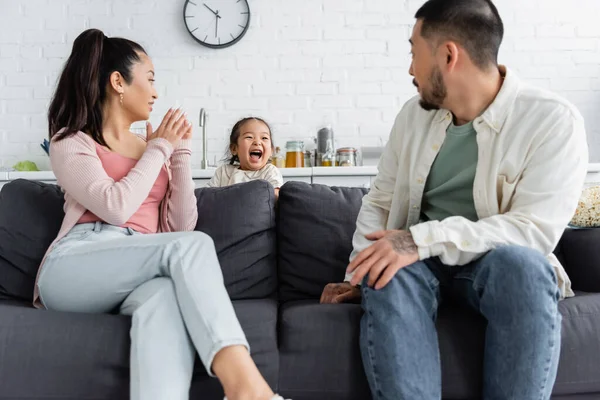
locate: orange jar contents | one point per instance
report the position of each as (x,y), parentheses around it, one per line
(294,154)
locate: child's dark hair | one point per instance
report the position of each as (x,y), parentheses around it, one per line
(235,135)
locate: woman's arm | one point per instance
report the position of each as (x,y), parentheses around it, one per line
(182,210)
(80,173)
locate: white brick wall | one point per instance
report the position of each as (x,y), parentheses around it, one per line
(302,64)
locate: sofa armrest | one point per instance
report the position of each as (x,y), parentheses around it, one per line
(579,252)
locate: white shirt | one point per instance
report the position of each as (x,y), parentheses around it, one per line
(532,162)
(228,174)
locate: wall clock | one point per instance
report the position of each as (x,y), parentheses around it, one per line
(217,23)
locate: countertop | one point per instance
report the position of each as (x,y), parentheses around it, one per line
(593,169)
(208,173)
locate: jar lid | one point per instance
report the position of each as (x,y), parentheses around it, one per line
(346,150)
(294,145)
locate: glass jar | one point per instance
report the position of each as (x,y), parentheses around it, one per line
(278,158)
(328,159)
(346,157)
(294,154)
(308,162)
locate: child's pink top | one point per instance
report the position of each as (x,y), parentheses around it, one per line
(145,219)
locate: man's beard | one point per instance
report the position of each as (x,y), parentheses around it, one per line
(433,99)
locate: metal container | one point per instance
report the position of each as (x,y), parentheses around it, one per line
(346,157)
(323,136)
(308,159)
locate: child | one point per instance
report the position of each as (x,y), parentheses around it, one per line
(250,148)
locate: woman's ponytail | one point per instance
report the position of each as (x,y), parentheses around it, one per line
(81,90)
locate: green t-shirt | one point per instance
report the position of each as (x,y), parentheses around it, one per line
(449,187)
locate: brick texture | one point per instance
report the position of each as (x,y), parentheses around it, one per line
(301,65)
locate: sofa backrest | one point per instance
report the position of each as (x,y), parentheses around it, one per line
(241,221)
(579,252)
(299,249)
(239,218)
(30,217)
(315,225)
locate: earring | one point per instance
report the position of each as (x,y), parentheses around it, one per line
(121,99)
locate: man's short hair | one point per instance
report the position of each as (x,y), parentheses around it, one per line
(474,24)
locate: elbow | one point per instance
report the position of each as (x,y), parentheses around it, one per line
(115,220)
(185,225)
(117,217)
(191,225)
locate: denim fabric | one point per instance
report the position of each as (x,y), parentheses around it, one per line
(516,291)
(170,283)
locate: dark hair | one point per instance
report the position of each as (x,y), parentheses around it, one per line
(81,90)
(235,135)
(475,24)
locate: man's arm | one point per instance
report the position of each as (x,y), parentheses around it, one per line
(375,209)
(544,201)
(373,216)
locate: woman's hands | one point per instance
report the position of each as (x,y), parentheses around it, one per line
(174,127)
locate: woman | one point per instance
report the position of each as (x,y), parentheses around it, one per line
(126,241)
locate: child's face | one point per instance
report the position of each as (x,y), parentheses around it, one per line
(254,146)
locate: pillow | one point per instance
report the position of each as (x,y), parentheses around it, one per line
(241,221)
(315,225)
(587,214)
(30,217)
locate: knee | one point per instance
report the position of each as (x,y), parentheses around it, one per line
(196,243)
(410,285)
(156,292)
(522,272)
(195,250)
(195,238)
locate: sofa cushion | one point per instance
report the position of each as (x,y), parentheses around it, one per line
(579,252)
(320,355)
(30,217)
(578,371)
(241,221)
(55,355)
(315,225)
(319,352)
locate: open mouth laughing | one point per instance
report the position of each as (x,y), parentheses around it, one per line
(256,155)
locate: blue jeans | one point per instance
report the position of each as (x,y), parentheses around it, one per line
(513,287)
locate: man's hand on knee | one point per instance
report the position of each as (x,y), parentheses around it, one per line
(392,251)
(336,293)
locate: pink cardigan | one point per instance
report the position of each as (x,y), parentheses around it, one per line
(87,186)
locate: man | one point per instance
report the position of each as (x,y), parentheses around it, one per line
(480,177)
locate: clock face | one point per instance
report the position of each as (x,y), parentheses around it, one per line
(217,23)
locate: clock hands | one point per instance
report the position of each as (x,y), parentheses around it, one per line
(217,16)
(211,10)
(205,25)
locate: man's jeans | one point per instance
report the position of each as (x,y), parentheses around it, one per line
(513,287)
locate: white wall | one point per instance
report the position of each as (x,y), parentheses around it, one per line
(302,63)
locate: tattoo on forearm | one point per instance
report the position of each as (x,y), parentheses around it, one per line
(403,243)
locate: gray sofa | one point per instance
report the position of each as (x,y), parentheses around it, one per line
(276,259)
